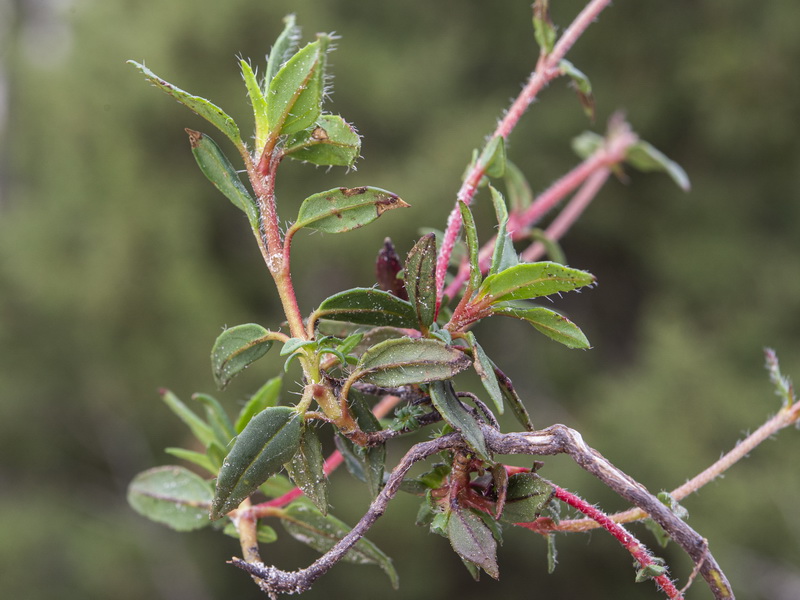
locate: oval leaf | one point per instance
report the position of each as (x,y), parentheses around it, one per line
(404,361)
(473,540)
(646,157)
(308,525)
(458,417)
(343,209)
(532,280)
(236,349)
(420,279)
(305,469)
(527,496)
(332,142)
(550,323)
(368,306)
(173,496)
(270,439)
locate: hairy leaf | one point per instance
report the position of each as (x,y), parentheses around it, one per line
(270,439)
(420,279)
(368,306)
(527,496)
(504,255)
(532,280)
(211,112)
(550,323)
(236,349)
(305,469)
(458,417)
(344,209)
(219,171)
(472,540)
(258,102)
(404,361)
(267,395)
(471,235)
(309,526)
(282,50)
(493,157)
(173,496)
(331,142)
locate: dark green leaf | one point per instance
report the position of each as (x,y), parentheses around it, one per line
(373,459)
(270,439)
(212,113)
(282,50)
(471,235)
(332,142)
(645,157)
(217,418)
(264,533)
(258,102)
(473,540)
(368,306)
(493,157)
(200,429)
(458,417)
(308,525)
(485,370)
(513,400)
(236,349)
(527,496)
(173,496)
(295,93)
(504,255)
(404,361)
(420,279)
(550,323)
(200,459)
(532,280)
(543,29)
(305,469)
(266,396)
(219,171)
(581,84)
(344,209)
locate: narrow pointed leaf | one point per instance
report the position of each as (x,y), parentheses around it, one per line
(405,361)
(217,418)
(282,50)
(458,417)
(198,458)
(295,93)
(485,369)
(526,498)
(305,469)
(473,541)
(368,306)
(270,439)
(550,323)
(645,157)
(331,142)
(219,171)
(308,525)
(471,236)
(532,280)
(420,279)
(504,255)
(373,458)
(211,112)
(258,102)
(581,84)
(173,496)
(513,400)
(267,395)
(543,29)
(236,349)
(200,429)
(493,157)
(344,209)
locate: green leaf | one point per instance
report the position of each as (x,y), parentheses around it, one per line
(587,144)
(258,102)
(471,235)
(282,50)
(514,401)
(266,396)
(200,429)
(532,280)
(581,84)
(212,113)
(270,439)
(200,459)
(276,486)
(485,370)
(344,209)
(305,469)
(173,496)
(405,361)
(543,29)
(309,526)
(472,540)
(368,306)
(493,157)
(371,461)
(217,418)
(420,279)
(518,189)
(504,255)
(264,533)
(552,553)
(551,247)
(295,93)
(527,496)
(550,323)
(645,157)
(458,417)
(219,171)
(236,349)
(332,142)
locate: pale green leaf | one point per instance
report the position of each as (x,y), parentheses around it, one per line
(173,496)
(344,209)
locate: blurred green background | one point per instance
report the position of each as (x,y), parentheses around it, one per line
(119,264)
